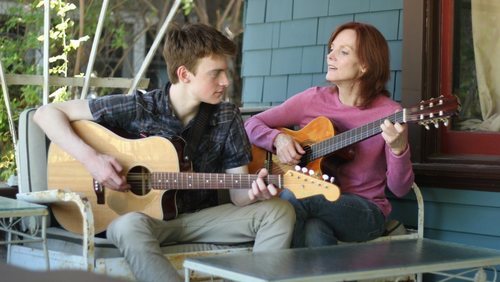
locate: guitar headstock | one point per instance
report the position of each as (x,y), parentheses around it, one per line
(433,111)
(303,185)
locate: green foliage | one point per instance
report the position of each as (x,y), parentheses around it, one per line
(21,54)
(18,53)
(187,6)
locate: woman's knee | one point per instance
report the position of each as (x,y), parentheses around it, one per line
(318,233)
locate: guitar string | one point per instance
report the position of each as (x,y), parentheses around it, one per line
(349,137)
(198,181)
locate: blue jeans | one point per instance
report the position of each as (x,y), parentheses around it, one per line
(320,222)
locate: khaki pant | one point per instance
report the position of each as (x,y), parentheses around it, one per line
(268,223)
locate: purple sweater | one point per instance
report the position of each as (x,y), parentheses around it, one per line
(374,166)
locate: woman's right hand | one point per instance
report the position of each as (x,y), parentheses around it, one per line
(288,150)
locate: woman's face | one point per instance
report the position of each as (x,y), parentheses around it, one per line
(344,67)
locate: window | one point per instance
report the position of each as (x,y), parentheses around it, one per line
(439,58)
(476,130)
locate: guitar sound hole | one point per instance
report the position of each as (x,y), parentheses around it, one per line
(139,180)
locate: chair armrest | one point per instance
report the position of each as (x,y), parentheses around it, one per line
(58,195)
(420,204)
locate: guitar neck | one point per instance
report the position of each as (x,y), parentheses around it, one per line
(195,180)
(349,137)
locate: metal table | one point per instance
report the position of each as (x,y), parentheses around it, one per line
(12,211)
(348,262)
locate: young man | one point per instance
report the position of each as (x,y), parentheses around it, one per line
(196,57)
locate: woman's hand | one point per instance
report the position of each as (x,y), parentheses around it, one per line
(288,150)
(395,135)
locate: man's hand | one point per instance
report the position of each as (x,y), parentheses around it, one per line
(288,150)
(260,190)
(106,170)
(395,136)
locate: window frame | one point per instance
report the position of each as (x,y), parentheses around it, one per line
(427,70)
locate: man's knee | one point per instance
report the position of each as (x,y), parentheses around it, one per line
(280,210)
(125,225)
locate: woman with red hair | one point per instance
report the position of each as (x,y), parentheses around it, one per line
(358,69)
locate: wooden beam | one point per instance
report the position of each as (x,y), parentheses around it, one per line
(105,82)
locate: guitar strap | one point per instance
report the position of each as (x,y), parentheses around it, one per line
(199,127)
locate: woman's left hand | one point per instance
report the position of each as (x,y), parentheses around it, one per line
(395,135)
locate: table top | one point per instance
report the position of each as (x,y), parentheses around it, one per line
(14,207)
(347,262)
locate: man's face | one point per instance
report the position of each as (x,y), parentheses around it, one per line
(210,81)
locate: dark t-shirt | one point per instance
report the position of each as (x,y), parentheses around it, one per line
(223,145)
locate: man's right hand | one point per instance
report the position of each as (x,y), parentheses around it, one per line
(288,150)
(106,170)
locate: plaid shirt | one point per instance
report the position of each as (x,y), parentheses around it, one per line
(224,143)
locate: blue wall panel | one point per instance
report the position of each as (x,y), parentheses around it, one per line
(341,7)
(256,63)
(398,80)
(310,9)
(298,33)
(253,87)
(275,88)
(462,216)
(395,55)
(296,84)
(383,5)
(319,79)
(286,61)
(313,59)
(279,10)
(256,11)
(258,36)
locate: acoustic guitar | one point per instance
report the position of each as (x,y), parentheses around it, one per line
(152,169)
(321,142)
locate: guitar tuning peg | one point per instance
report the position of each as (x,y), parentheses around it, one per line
(325,177)
(298,168)
(426,126)
(445,122)
(436,123)
(332,179)
(304,169)
(311,172)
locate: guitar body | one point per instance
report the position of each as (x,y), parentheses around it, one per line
(319,129)
(66,173)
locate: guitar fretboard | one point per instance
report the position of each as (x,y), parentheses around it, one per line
(347,138)
(187,180)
